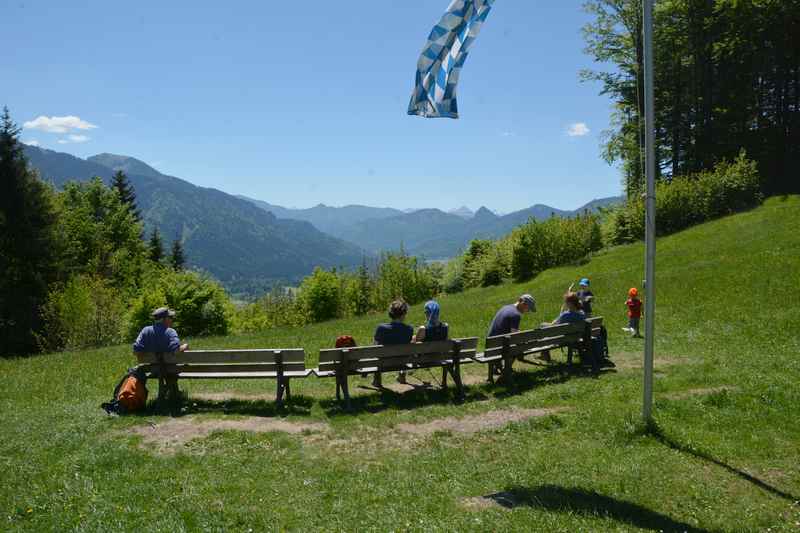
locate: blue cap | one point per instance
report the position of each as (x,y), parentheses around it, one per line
(584,282)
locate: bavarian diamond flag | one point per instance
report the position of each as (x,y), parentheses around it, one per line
(443,56)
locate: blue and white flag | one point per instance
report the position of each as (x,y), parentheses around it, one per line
(443,56)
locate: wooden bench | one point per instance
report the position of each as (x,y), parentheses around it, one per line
(281,365)
(448,355)
(502,350)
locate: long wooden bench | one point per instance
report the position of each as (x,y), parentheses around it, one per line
(280,365)
(501,351)
(448,355)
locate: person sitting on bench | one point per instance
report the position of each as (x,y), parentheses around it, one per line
(434,329)
(572,313)
(509,316)
(160,337)
(395,332)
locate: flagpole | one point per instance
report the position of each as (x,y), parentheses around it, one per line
(650,212)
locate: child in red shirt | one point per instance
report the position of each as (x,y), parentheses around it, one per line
(634,305)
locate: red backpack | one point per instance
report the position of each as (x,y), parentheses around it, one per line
(345,341)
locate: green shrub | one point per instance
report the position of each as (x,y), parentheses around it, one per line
(278,308)
(86,312)
(685,201)
(201,305)
(320,295)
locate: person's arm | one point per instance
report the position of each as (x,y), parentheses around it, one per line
(514,323)
(138,346)
(378,337)
(420,336)
(175,343)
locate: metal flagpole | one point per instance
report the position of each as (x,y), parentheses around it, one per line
(650,212)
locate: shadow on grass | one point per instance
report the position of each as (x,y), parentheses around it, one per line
(656,432)
(551,374)
(296,406)
(588,503)
(418,396)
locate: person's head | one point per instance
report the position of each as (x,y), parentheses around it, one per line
(526,303)
(584,283)
(398,310)
(432,312)
(164,315)
(633,293)
(572,302)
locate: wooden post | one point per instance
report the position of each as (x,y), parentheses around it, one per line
(342,373)
(279,364)
(457,370)
(507,360)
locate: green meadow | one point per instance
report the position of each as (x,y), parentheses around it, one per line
(556,450)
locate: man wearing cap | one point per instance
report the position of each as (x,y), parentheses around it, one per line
(160,337)
(509,316)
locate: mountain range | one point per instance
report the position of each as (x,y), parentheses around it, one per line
(244,246)
(432,233)
(251,244)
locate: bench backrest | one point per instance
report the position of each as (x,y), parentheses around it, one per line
(216,361)
(596,323)
(395,357)
(523,341)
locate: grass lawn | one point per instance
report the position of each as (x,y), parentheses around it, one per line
(557,451)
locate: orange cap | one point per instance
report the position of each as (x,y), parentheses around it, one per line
(633,293)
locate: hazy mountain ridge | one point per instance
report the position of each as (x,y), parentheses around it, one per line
(236,241)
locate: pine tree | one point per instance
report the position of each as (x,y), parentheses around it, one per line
(176,259)
(28,244)
(126,192)
(155,247)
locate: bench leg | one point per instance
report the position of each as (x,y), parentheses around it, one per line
(346,391)
(377,380)
(507,368)
(456,372)
(490,366)
(279,392)
(288,390)
(569,355)
(444,377)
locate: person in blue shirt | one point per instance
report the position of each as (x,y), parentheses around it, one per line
(572,313)
(585,296)
(509,316)
(394,332)
(160,337)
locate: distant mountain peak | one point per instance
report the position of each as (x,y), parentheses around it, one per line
(484,213)
(127,164)
(463,212)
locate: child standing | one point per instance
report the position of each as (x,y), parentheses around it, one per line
(585,296)
(634,305)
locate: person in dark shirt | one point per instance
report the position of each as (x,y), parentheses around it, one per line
(160,337)
(585,296)
(509,316)
(434,329)
(395,332)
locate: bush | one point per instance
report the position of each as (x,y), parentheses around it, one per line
(86,312)
(201,305)
(320,295)
(278,308)
(689,200)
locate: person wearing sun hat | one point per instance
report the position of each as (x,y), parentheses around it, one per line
(159,337)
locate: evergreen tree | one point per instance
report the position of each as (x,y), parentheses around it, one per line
(177,259)
(126,192)
(363,292)
(28,244)
(155,247)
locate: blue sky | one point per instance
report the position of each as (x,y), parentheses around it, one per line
(299,103)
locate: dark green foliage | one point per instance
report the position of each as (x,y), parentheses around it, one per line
(119,181)
(100,233)
(177,259)
(538,246)
(201,305)
(28,244)
(155,247)
(321,295)
(88,311)
(727,78)
(689,200)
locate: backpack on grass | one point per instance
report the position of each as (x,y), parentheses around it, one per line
(130,394)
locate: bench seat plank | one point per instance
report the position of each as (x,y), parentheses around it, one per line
(294,355)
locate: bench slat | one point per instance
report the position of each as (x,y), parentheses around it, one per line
(396,350)
(172,369)
(241,375)
(293,355)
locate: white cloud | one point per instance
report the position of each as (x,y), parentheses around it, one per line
(578,129)
(32,142)
(74,139)
(58,124)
